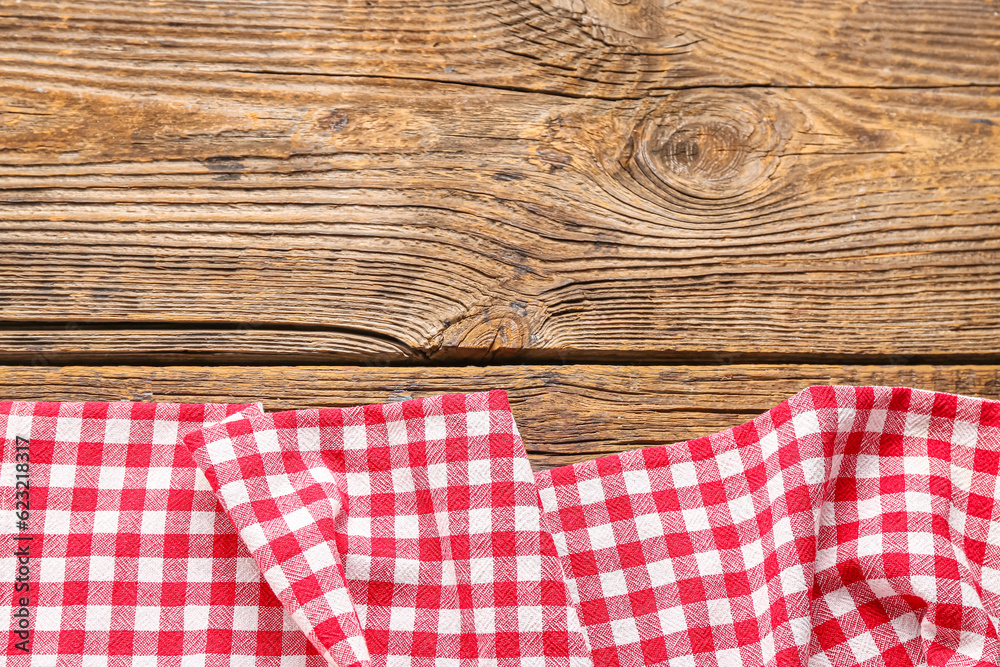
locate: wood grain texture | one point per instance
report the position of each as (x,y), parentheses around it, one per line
(488,226)
(592,181)
(564,413)
(589,48)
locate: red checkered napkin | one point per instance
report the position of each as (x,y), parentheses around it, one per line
(130,560)
(846,526)
(405,534)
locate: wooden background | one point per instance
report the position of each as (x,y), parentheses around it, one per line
(648,220)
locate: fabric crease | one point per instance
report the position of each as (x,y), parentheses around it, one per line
(844,526)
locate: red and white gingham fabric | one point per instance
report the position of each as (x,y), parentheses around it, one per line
(400,534)
(131,561)
(845,526)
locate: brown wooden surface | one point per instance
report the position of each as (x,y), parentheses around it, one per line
(564,413)
(551,181)
(415,188)
(580,48)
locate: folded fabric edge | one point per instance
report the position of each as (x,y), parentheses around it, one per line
(814,416)
(238,458)
(277,488)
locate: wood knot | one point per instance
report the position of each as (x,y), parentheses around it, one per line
(335,121)
(710,145)
(704,150)
(633,23)
(488,333)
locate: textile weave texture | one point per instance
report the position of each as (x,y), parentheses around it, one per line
(845,526)
(131,561)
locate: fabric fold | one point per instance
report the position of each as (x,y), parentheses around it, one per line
(399,534)
(123,556)
(283,500)
(845,526)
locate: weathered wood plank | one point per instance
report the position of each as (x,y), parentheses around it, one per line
(565,413)
(416,220)
(596,48)
(49,343)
